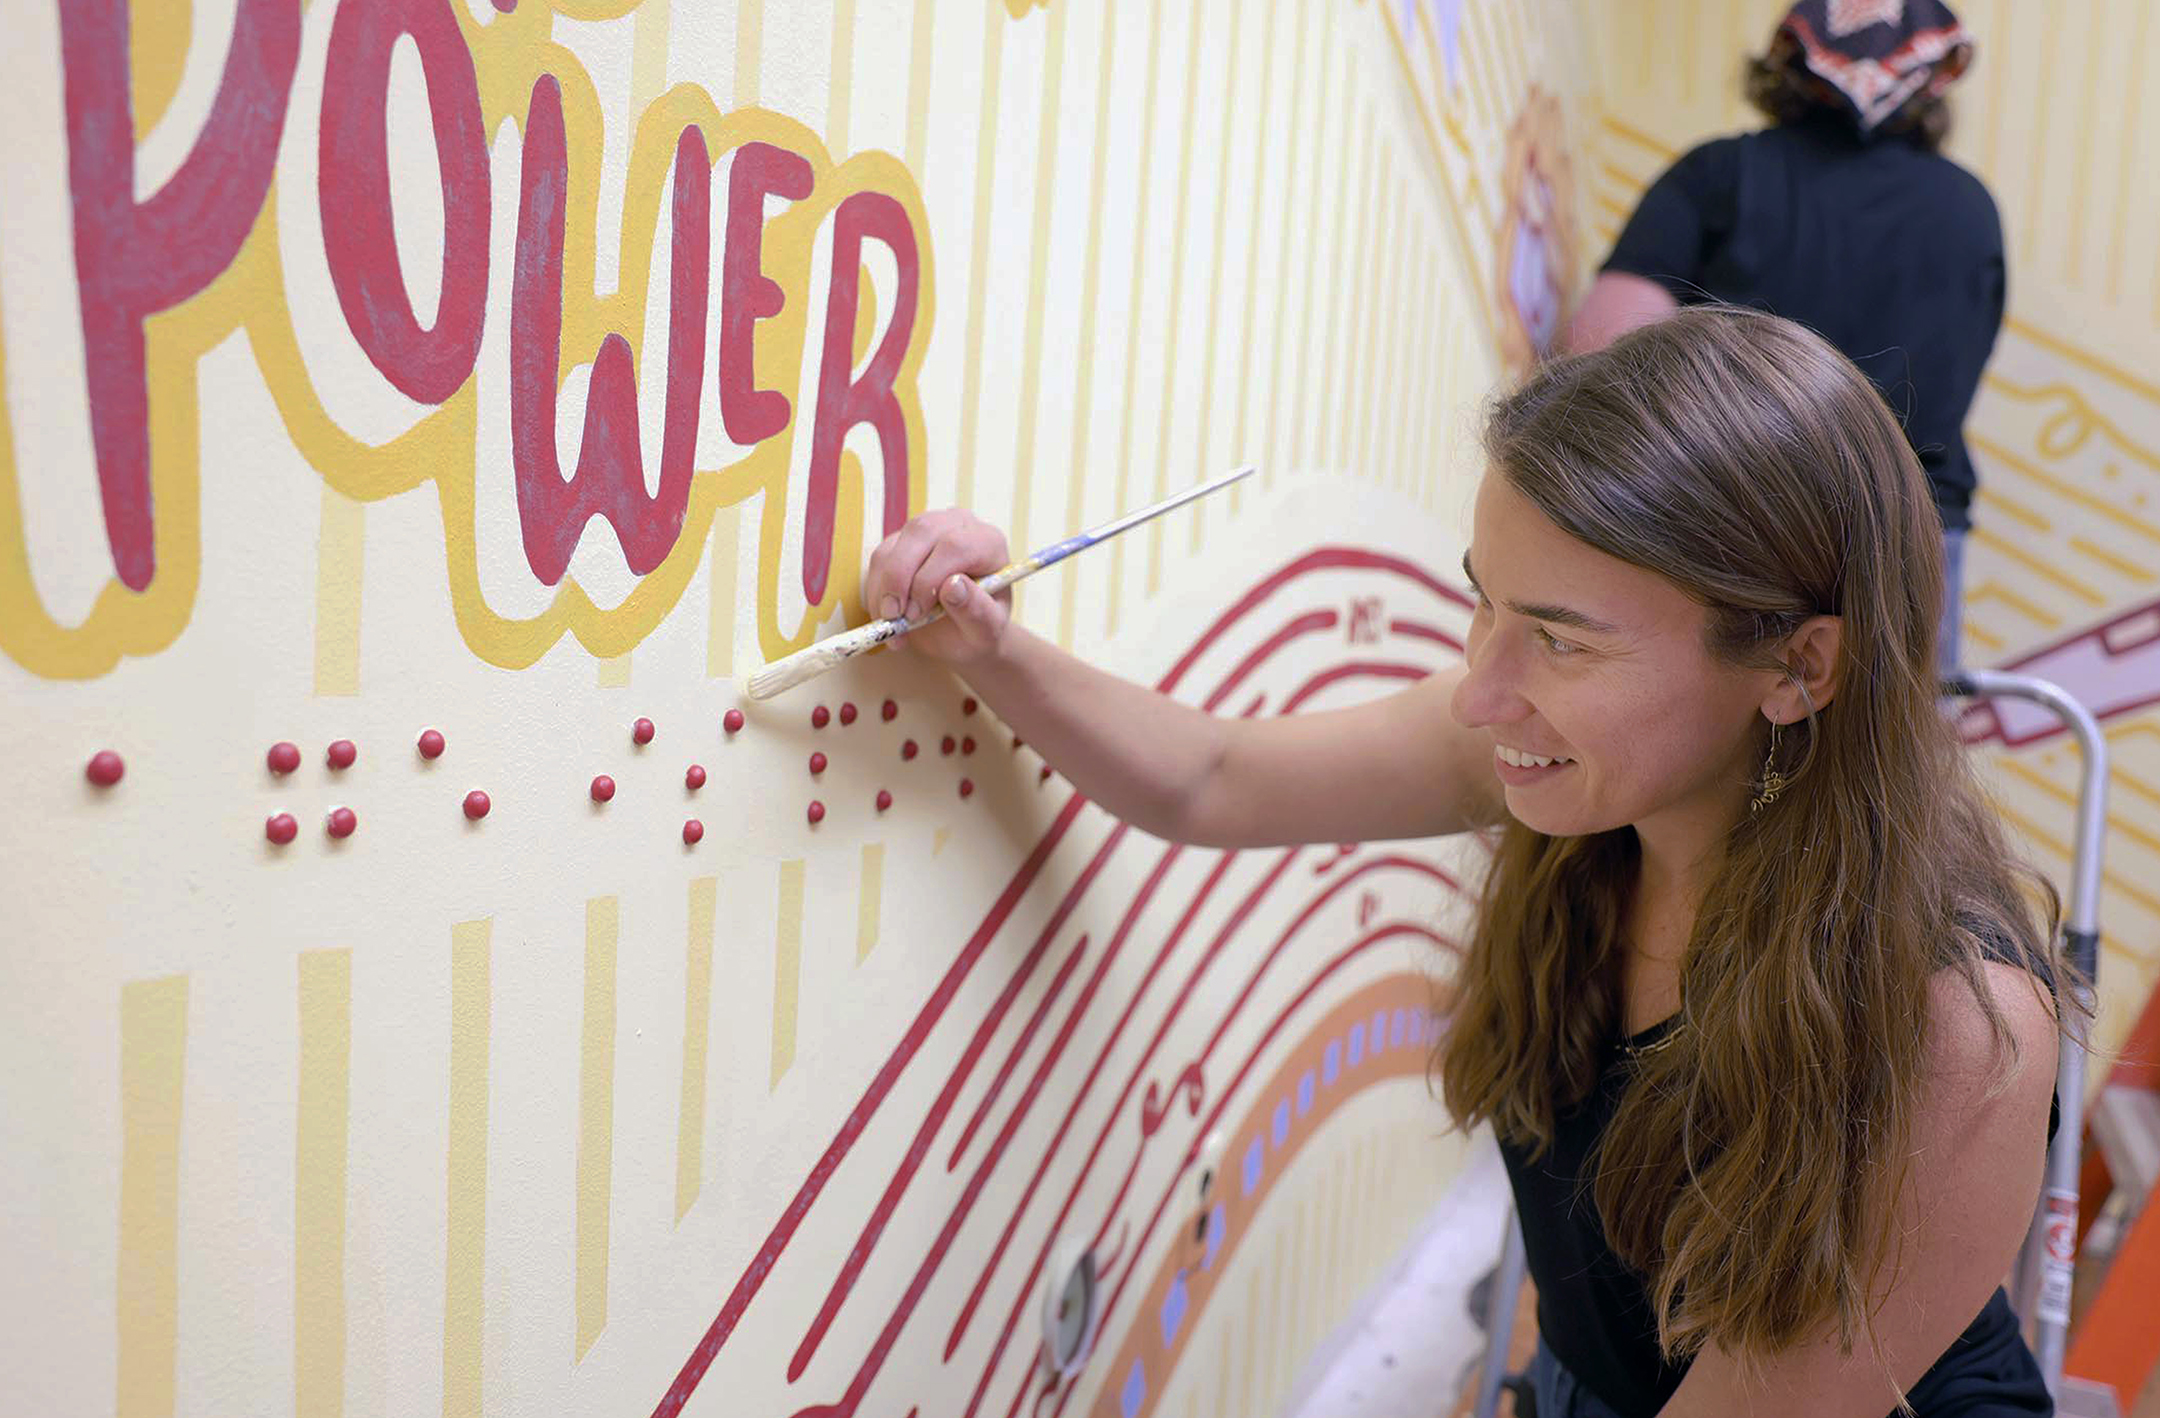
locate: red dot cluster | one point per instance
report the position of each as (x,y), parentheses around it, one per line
(106,768)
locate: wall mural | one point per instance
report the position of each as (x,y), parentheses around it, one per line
(433,987)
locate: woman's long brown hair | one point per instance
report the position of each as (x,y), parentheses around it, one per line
(1747,1169)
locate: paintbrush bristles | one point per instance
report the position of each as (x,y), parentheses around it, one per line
(813,660)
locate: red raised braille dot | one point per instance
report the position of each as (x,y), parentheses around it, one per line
(817,764)
(908,749)
(820,717)
(694,777)
(732,720)
(603,788)
(281,828)
(847,715)
(967,706)
(946,746)
(283,758)
(341,754)
(817,813)
(642,731)
(1016,743)
(889,712)
(967,745)
(884,800)
(477,804)
(431,744)
(1044,776)
(341,822)
(692,831)
(105,768)
(967,788)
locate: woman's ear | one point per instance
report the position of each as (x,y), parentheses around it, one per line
(1813,664)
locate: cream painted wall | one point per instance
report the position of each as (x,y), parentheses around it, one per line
(551,1110)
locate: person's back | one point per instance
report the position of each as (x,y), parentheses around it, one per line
(1892,252)
(1845,217)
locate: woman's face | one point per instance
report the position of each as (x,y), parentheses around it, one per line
(1600,666)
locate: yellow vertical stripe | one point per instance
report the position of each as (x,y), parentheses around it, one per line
(648,53)
(2127,139)
(464,1312)
(1263,108)
(1133,307)
(1404,381)
(153,1072)
(339,553)
(1076,475)
(993,51)
(1295,200)
(868,901)
(1176,303)
(697,1031)
(322,1123)
(840,82)
(2036,134)
(918,108)
(787,967)
(1203,454)
(749,50)
(720,619)
(2082,143)
(1031,351)
(1419,434)
(1351,261)
(596,1120)
(1374,322)
(1310,393)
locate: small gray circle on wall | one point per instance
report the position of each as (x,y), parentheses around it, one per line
(1072,1309)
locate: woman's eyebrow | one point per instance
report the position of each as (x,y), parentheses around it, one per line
(1555,615)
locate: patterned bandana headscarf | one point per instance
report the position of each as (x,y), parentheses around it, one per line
(1871,56)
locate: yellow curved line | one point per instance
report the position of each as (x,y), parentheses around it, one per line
(2120,565)
(2080,355)
(2079,415)
(2062,487)
(2116,823)
(2003,546)
(1996,590)
(2115,880)
(1664,151)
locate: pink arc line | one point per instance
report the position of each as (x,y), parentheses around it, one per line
(1012,1056)
(1342,958)
(1256,893)
(857,1258)
(753,1277)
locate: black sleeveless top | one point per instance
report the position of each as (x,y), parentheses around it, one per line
(1594,1312)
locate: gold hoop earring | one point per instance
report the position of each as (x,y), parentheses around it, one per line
(1773,782)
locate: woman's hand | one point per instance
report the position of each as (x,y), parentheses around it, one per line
(933,560)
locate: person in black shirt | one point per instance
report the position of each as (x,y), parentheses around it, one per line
(1844,216)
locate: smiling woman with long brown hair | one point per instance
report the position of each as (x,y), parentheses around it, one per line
(1754,1002)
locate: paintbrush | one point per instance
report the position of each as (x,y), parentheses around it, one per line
(814,660)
